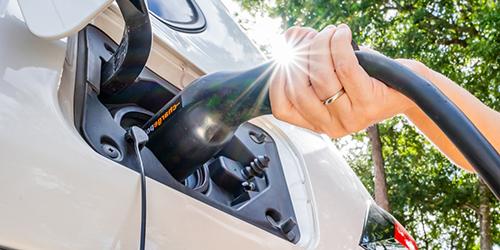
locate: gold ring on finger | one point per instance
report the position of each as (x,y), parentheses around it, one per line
(334,97)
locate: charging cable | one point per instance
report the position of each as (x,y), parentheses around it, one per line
(138,137)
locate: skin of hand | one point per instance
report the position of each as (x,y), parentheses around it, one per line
(325,62)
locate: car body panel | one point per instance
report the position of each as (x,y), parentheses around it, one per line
(55,19)
(222,46)
(55,190)
(336,196)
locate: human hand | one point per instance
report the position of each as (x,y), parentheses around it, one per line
(325,64)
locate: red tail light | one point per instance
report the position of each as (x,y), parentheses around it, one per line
(382,231)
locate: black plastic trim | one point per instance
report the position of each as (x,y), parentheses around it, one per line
(128,60)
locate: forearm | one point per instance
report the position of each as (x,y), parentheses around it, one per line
(484,118)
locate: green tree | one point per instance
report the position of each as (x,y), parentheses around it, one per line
(443,206)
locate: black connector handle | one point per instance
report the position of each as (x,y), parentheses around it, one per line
(450,119)
(129,59)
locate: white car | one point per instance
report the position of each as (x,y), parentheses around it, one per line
(70,180)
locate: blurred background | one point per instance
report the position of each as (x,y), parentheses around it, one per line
(441,205)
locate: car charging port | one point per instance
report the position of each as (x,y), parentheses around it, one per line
(244,179)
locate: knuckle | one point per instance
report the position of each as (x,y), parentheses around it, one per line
(292,33)
(280,113)
(318,128)
(293,29)
(334,131)
(346,123)
(348,126)
(352,125)
(326,33)
(310,30)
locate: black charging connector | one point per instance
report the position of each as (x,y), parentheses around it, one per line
(138,137)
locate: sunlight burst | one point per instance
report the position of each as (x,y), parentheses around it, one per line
(283,52)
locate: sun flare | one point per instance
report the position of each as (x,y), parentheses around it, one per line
(283,52)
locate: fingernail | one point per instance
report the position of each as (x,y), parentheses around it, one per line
(343,26)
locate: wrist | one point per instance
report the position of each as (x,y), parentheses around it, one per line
(423,71)
(413,112)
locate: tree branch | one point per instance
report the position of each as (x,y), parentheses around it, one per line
(471,207)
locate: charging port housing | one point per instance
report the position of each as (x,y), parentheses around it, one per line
(222,182)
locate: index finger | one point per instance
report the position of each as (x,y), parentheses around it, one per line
(352,76)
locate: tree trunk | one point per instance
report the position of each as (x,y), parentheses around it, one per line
(484,217)
(379,171)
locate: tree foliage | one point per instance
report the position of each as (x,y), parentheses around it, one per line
(436,201)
